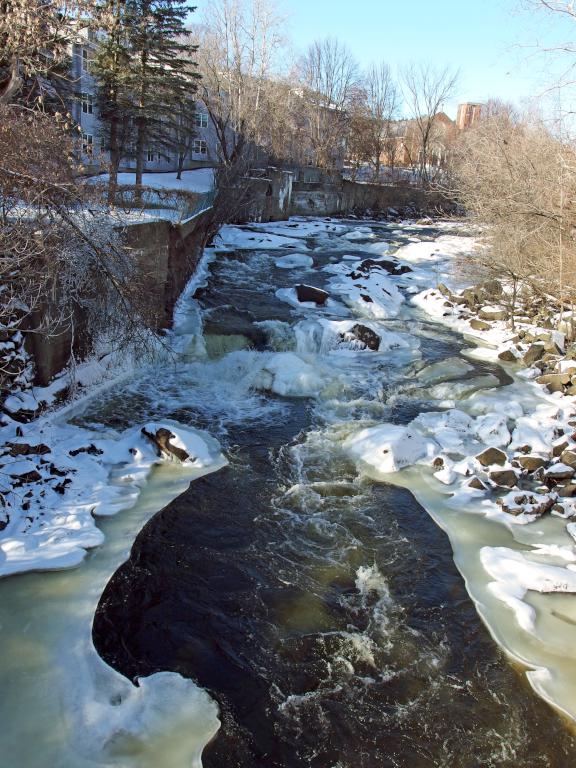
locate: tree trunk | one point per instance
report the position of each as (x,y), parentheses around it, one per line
(181,156)
(140,144)
(11,84)
(114,162)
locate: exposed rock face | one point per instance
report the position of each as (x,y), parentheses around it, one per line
(492,456)
(366,335)
(310,293)
(505,477)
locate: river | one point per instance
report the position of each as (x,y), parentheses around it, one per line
(285,609)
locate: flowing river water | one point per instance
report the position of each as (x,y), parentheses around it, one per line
(317,611)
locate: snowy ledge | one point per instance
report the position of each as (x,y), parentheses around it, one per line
(56,479)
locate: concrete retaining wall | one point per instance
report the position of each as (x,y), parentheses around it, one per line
(330,197)
(166,256)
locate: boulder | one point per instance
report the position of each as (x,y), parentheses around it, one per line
(392,267)
(366,335)
(554,381)
(568,457)
(527,503)
(567,491)
(558,472)
(24,449)
(505,477)
(491,456)
(310,293)
(506,355)
(479,325)
(477,484)
(559,448)
(161,440)
(531,463)
(491,288)
(444,290)
(492,313)
(470,297)
(533,353)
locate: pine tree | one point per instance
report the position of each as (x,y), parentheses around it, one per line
(111,68)
(162,76)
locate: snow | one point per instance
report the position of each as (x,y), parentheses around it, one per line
(287,374)
(231,238)
(514,574)
(198,180)
(389,447)
(295,260)
(59,528)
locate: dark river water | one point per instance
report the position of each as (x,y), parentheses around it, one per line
(321,610)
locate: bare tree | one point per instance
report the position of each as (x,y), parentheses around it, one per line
(62,262)
(382,100)
(426,89)
(518,180)
(329,75)
(240,41)
(34,40)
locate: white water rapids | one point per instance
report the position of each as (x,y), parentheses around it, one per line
(62,706)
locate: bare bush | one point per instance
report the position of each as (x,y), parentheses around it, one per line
(61,259)
(519,180)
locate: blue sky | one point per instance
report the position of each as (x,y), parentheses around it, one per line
(485,39)
(489,41)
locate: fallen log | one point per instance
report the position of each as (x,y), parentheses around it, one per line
(163,445)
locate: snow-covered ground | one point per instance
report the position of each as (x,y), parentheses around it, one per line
(198,180)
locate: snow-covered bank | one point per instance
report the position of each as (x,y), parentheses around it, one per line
(198,180)
(57,477)
(65,477)
(497,454)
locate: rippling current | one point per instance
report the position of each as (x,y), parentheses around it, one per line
(321,610)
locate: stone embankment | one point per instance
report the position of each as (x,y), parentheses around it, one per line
(530,479)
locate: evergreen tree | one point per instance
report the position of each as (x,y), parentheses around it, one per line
(111,69)
(162,77)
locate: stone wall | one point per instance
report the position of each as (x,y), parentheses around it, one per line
(166,256)
(330,197)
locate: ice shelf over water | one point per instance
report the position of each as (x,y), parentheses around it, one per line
(519,569)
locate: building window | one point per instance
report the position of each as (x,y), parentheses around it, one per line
(85,62)
(199,147)
(88,144)
(201,119)
(87,103)
(150,156)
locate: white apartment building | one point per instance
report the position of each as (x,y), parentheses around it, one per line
(84,110)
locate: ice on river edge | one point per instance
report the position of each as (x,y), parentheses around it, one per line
(105,476)
(298,373)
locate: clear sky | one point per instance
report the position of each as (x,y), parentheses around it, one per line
(489,41)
